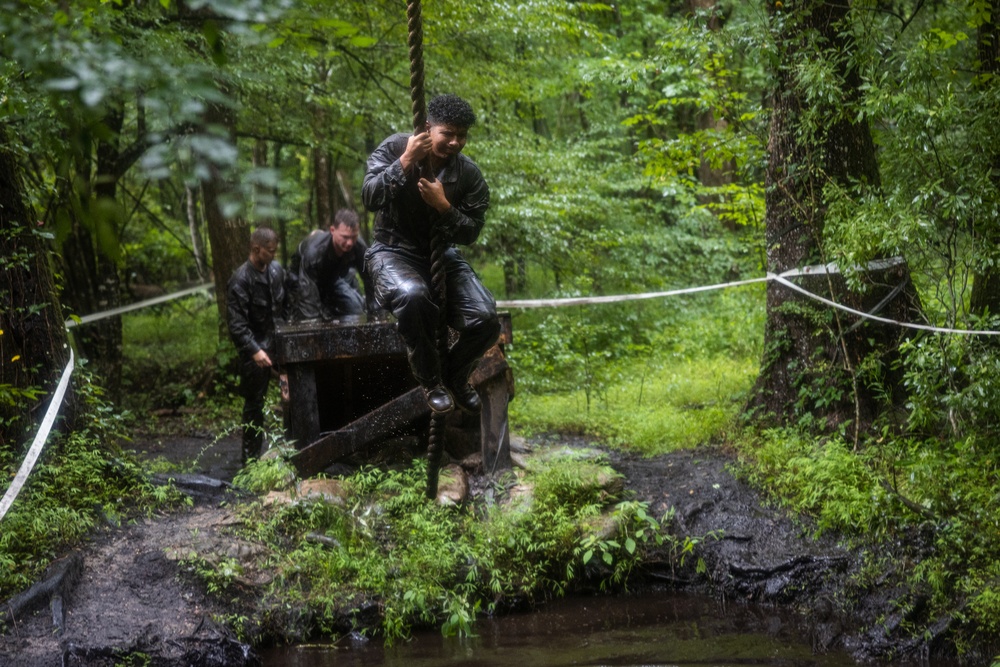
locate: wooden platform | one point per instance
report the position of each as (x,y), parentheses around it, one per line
(351,388)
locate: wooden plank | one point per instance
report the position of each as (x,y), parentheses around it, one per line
(492,377)
(379,424)
(304,342)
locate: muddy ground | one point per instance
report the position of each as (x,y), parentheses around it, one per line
(124,591)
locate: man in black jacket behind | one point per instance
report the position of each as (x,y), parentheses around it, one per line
(416,184)
(255,301)
(322,272)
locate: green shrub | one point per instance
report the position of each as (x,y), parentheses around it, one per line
(434,566)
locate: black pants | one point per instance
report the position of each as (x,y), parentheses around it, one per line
(253,389)
(403,286)
(343,296)
(339,296)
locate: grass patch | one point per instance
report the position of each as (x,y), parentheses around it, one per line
(677,389)
(929,504)
(656,408)
(173,355)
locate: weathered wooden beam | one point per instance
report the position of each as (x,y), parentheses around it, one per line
(379,424)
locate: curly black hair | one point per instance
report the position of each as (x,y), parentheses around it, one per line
(450,110)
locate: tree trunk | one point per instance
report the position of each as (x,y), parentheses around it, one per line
(515,276)
(282,221)
(321,186)
(821,367)
(107,333)
(33,346)
(986,282)
(708,175)
(194,226)
(228,235)
(90,251)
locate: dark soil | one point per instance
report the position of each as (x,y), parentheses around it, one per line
(125,592)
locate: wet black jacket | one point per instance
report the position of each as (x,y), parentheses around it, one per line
(255,301)
(314,271)
(402,217)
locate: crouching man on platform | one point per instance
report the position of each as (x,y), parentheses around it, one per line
(324,271)
(255,302)
(417,184)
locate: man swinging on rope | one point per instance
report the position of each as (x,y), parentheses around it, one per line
(416,185)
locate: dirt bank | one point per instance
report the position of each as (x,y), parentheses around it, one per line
(123,592)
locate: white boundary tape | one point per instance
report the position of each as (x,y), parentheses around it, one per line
(93,317)
(40,438)
(782,279)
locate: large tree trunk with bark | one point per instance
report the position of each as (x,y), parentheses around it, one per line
(33,346)
(821,366)
(228,235)
(986,282)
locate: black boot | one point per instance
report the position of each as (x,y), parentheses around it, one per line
(253,443)
(439,399)
(466,397)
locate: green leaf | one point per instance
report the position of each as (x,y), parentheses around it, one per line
(362,41)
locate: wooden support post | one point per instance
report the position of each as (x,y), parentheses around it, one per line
(495,383)
(303,404)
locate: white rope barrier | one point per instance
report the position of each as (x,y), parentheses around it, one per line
(93,317)
(40,438)
(814,270)
(885,320)
(618,298)
(782,279)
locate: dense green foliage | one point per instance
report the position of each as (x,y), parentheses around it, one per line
(939,498)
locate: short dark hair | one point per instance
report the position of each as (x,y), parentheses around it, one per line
(450,110)
(263,236)
(346,216)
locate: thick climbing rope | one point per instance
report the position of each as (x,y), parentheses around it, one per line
(436,433)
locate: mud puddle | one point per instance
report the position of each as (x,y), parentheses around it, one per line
(652,628)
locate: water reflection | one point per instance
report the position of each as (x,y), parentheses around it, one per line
(652,629)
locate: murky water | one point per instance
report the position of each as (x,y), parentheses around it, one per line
(651,629)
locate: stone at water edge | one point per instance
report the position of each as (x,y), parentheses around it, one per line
(330,491)
(453,485)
